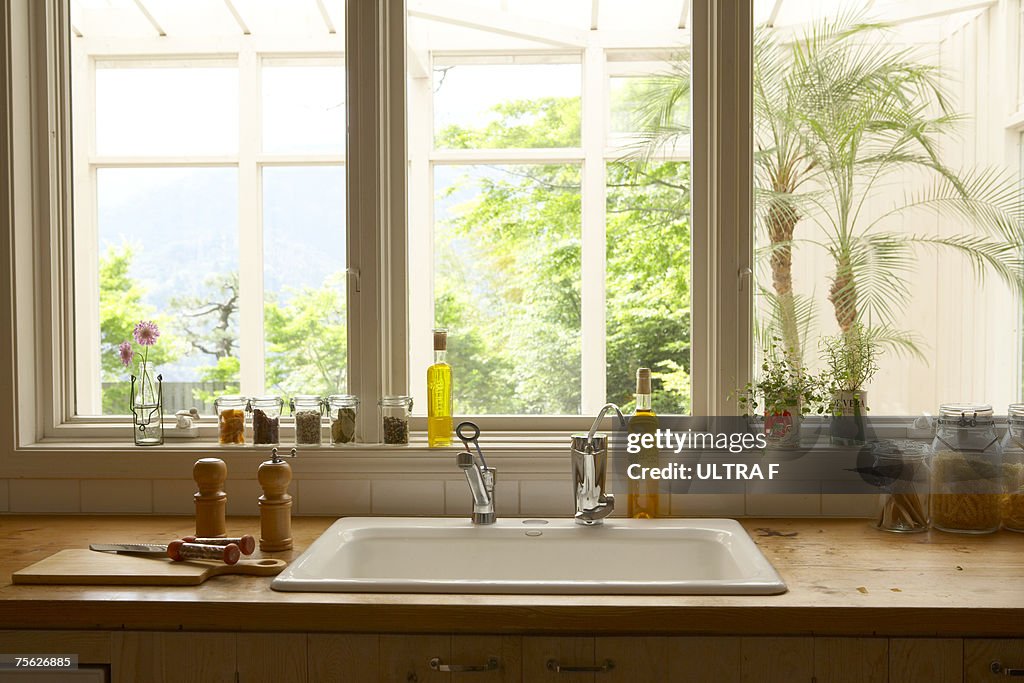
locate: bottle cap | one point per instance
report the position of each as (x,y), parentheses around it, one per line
(643,381)
(441,339)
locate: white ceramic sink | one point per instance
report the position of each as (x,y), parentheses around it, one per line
(444,555)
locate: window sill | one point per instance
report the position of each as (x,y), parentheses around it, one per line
(512,452)
(115,459)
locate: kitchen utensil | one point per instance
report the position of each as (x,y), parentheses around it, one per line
(228,553)
(82,566)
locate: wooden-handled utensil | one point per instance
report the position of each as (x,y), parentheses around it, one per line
(81,566)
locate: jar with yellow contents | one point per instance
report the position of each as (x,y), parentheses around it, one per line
(967,486)
(1013,469)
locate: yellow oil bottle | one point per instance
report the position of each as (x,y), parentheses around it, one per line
(439,394)
(643,493)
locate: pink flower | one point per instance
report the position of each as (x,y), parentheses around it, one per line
(127,354)
(146,333)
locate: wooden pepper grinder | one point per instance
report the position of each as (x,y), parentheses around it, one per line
(211,501)
(275,504)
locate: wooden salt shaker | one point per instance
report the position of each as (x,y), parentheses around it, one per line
(211,501)
(275,504)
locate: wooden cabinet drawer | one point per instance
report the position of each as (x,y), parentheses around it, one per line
(988,660)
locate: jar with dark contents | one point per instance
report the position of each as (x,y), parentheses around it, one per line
(308,411)
(230,420)
(265,413)
(343,410)
(394,417)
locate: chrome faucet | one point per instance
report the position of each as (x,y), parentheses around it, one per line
(589,467)
(479,475)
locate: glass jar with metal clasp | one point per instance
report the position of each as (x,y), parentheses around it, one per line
(394,416)
(967,486)
(903,469)
(308,412)
(1013,469)
(230,420)
(343,409)
(266,420)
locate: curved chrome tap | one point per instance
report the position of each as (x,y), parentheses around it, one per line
(589,467)
(479,476)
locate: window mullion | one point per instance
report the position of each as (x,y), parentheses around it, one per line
(593,252)
(250,225)
(88,380)
(376,201)
(722,191)
(421,226)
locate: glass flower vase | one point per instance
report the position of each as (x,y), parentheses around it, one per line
(147,406)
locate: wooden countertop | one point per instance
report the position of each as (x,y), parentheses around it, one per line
(844,579)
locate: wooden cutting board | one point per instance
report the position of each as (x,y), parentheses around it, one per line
(88,567)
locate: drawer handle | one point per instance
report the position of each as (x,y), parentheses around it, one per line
(553,665)
(997,668)
(437,665)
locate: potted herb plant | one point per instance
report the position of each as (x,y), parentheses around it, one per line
(851,360)
(783,393)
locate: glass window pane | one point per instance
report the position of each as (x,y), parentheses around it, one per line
(166,110)
(304,109)
(500,105)
(633,99)
(890,209)
(304,264)
(168,252)
(647,285)
(507,284)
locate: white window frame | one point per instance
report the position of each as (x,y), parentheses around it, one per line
(34,196)
(597,149)
(249,55)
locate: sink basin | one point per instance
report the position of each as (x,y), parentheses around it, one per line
(449,555)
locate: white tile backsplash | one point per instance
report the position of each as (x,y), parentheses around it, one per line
(708,504)
(407,497)
(849,504)
(334,497)
(458,500)
(431,497)
(543,498)
(174,497)
(45,495)
(117,495)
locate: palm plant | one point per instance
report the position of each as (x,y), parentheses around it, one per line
(838,114)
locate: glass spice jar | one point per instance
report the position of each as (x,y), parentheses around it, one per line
(266,420)
(230,420)
(967,488)
(1013,469)
(394,417)
(904,473)
(343,410)
(308,411)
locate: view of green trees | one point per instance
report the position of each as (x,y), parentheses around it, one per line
(508,284)
(507,271)
(305,336)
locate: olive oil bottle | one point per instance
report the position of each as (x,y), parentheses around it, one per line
(643,493)
(439,394)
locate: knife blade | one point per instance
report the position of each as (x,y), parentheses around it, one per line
(130,548)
